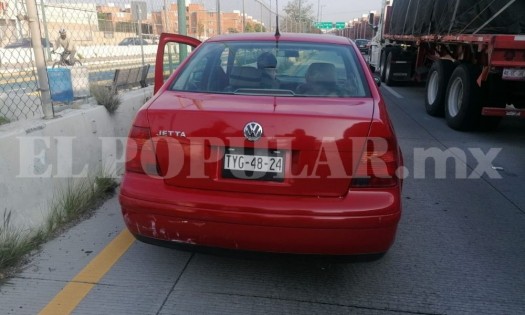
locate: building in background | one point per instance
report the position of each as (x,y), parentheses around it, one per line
(105,24)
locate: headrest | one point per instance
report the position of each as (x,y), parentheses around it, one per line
(321,72)
(266,60)
(245,77)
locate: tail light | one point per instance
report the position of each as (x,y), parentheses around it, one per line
(378,165)
(140,152)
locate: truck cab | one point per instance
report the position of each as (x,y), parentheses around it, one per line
(378,42)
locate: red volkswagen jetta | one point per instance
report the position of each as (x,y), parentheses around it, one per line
(265,142)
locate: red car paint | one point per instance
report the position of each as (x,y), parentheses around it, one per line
(339,193)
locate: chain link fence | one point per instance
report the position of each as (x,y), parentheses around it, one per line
(103,37)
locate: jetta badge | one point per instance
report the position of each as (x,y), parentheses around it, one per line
(253,131)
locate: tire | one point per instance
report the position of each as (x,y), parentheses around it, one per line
(77,63)
(462,101)
(388,71)
(436,87)
(382,63)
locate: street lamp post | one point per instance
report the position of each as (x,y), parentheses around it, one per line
(243,18)
(218,17)
(181,9)
(318,6)
(300,14)
(166,22)
(270,15)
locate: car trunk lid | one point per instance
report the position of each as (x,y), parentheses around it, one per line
(308,147)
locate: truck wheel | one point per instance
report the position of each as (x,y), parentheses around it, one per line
(436,87)
(462,109)
(389,71)
(382,63)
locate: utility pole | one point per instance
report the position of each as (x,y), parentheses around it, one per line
(34,27)
(181,13)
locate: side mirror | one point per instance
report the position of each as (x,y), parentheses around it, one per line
(371,19)
(377,81)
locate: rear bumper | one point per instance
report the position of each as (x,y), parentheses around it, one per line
(333,226)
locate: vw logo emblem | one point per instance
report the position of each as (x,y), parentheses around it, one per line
(253,131)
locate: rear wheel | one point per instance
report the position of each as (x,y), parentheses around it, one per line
(382,63)
(389,73)
(436,87)
(462,102)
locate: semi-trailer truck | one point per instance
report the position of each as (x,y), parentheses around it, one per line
(469,53)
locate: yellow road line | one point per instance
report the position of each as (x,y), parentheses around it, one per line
(77,289)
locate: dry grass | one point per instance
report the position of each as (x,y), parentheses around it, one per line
(70,204)
(106,97)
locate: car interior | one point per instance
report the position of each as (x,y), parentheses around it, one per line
(304,71)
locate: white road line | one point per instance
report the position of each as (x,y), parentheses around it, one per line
(391,91)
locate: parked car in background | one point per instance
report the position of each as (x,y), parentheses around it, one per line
(263,142)
(129,41)
(363,45)
(26,43)
(151,38)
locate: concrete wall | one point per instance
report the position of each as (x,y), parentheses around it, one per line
(39,158)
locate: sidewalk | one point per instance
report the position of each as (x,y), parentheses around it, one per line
(59,260)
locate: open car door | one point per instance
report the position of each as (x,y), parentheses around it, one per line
(164,60)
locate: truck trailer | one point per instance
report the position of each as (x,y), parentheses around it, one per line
(469,53)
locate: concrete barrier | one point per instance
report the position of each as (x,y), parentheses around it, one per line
(39,158)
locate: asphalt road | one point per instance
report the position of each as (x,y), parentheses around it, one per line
(460,247)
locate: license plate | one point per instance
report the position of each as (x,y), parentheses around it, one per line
(254,164)
(513,74)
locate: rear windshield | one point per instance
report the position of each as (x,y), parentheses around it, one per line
(283,68)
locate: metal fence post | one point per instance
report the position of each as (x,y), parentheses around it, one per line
(34,27)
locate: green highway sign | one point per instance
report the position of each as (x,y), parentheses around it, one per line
(340,25)
(324,25)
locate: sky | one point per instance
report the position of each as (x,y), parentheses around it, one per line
(332,10)
(345,10)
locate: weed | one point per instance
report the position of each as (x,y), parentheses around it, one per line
(4,120)
(106,97)
(13,244)
(74,201)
